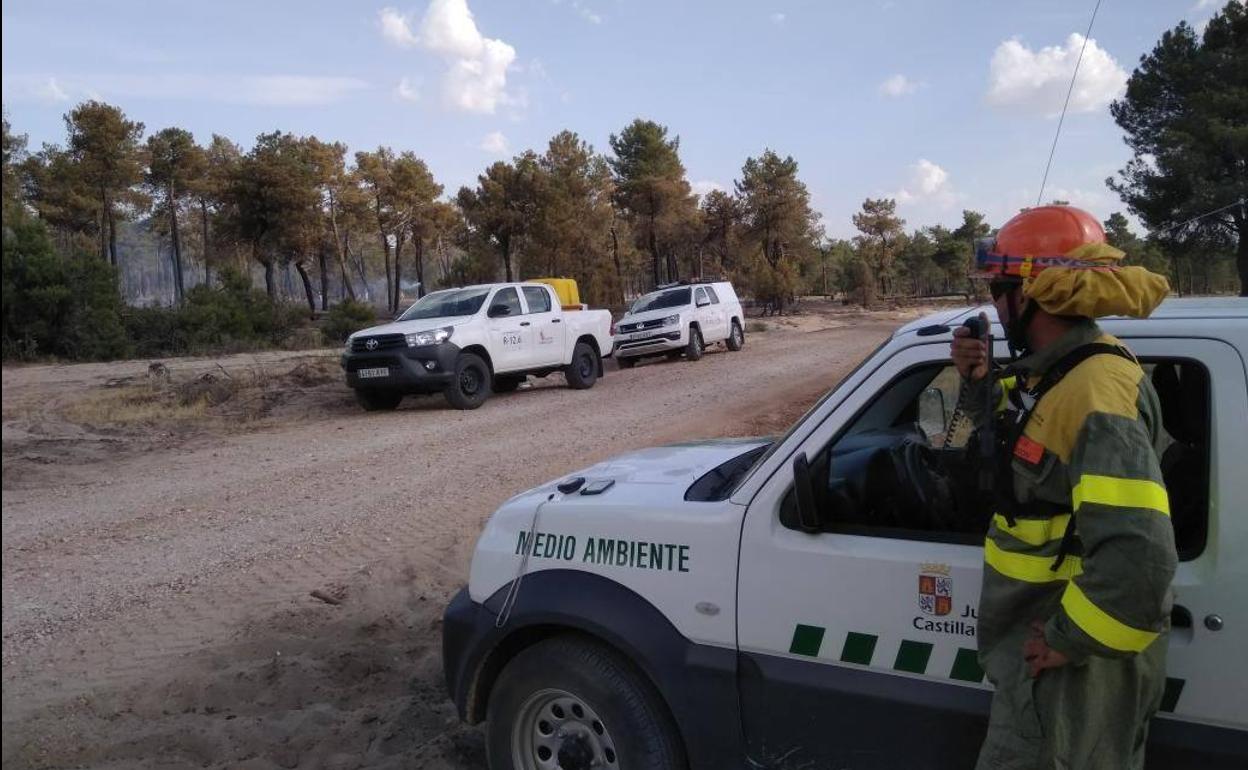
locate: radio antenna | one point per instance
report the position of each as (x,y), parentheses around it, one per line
(1065,105)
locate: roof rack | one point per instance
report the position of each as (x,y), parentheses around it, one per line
(687,282)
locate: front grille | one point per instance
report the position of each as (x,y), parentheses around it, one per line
(356,364)
(654,323)
(670,337)
(384,342)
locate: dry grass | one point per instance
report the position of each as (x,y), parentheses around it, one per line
(165,399)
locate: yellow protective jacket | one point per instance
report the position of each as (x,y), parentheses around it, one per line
(1090,449)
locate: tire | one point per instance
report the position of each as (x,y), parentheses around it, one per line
(695,348)
(736,337)
(582,373)
(504,384)
(625,362)
(378,400)
(605,711)
(471,386)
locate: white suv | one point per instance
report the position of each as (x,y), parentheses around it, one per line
(680,319)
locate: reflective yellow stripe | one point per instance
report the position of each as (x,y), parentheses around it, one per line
(1100,625)
(1007,384)
(1122,493)
(1029,568)
(1034,531)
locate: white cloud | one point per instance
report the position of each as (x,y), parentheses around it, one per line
(704,187)
(495,143)
(395,29)
(586,13)
(778,18)
(898,85)
(1035,82)
(1203,4)
(476,75)
(260,90)
(407,91)
(928,183)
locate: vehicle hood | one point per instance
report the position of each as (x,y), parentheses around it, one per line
(411,327)
(650,477)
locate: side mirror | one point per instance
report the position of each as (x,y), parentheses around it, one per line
(808,518)
(933,418)
(499,311)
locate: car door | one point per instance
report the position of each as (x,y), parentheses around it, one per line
(704,311)
(847,638)
(510,334)
(546,325)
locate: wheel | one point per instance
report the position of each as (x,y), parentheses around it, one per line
(624,362)
(378,400)
(506,384)
(736,338)
(571,703)
(582,373)
(693,351)
(471,386)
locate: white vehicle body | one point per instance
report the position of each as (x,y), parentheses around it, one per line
(774,647)
(663,321)
(516,329)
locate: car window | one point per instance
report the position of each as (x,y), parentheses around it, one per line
(537,298)
(661,300)
(446,304)
(701,295)
(508,297)
(902,468)
(713,295)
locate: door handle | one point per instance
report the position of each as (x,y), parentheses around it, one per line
(1181,630)
(555,321)
(524,323)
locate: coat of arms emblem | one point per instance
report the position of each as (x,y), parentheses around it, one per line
(935,589)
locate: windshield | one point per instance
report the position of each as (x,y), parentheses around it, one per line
(660,300)
(442,304)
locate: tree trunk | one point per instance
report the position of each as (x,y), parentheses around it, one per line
(385,251)
(506,244)
(358,261)
(104,254)
(418,244)
(398,273)
(323,263)
(1241,254)
(653,243)
(203,221)
(270,282)
(339,249)
(615,255)
(179,288)
(307,285)
(112,231)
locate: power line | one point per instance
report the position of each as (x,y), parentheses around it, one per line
(1066,104)
(1199,217)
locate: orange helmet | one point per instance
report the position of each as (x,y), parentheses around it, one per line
(1036,239)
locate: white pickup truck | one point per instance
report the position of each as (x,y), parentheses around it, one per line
(680,320)
(761,603)
(468,343)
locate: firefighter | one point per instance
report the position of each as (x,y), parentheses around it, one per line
(1079,555)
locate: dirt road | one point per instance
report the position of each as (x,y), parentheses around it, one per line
(156,584)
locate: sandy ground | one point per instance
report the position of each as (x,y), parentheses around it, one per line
(157,575)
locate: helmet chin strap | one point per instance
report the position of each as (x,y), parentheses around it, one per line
(1016,326)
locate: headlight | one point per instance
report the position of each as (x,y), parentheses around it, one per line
(672,320)
(348,342)
(431,337)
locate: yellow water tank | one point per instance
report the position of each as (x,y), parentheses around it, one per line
(565,289)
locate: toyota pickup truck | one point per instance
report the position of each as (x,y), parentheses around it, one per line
(470,342)
(768,603)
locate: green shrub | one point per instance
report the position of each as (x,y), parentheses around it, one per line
(56,305)
(346,317)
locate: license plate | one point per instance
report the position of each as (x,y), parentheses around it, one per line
(638,335)
(378,372)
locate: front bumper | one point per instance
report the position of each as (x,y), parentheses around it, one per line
(661,340)
(468,634)
(424,369)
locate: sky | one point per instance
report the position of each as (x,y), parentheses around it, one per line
(941,104)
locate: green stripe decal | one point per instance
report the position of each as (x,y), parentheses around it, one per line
(966,666)
(913,656)
(859,648)
(1170,697)
(806,640)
